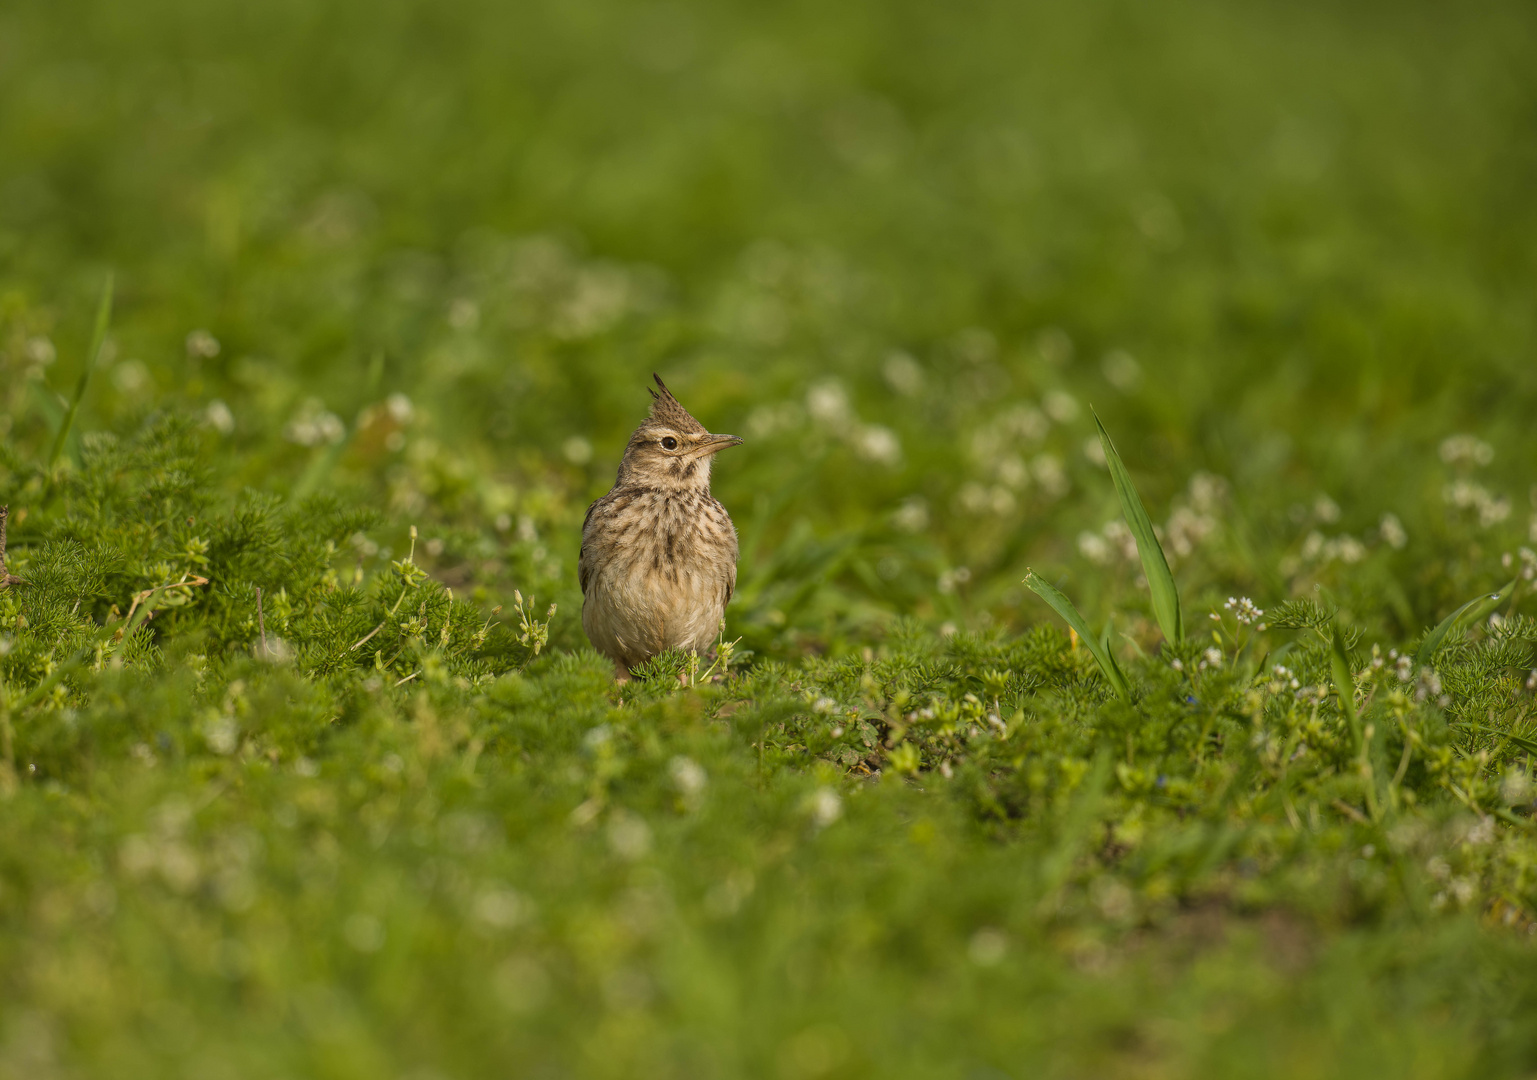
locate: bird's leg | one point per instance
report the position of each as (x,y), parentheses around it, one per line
(621,672)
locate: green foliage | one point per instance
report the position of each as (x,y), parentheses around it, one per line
(298,778)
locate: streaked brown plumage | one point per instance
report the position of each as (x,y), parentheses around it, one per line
(658,559)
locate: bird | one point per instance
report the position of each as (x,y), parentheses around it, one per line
(658,557)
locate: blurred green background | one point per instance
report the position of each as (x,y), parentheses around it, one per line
(901,248)
(426,257)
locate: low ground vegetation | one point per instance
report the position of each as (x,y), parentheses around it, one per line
(305,766)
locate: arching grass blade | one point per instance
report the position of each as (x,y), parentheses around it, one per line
(1159,578)
(1100,648)
(1468,614)
(98,337)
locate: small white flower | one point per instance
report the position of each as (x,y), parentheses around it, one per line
(131,376)
(219,417)
(987,947)
(913,515)
(1392,531)
(1060,406)
(688,775)
(879,444)
(1244,610)
(826,806)
(314,426)
(500,908)
(41,351)
(1049,473)
(200,343)
(828,403)
(1466,450)
(629,837)
(400,408)
(222,734)
(1094,547)
(1122,369)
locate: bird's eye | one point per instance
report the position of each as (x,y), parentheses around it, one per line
(669,443)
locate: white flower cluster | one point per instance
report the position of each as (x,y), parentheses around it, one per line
(1466,495)
(780,289)
(913,515)
(827,406)
(949,579)
(1428,686)
(1466,450)
(548,285)
(1192,522)
(1244,611)
(200,344)
(1528,559)
(1284,678)
(1188,527)
(1317,548)
(1112,541)
(313,425)
(1392,531)
(1002,448)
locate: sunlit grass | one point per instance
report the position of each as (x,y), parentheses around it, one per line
(299,778)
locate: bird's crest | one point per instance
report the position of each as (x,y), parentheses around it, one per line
(666,410)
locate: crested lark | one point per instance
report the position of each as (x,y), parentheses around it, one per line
(658,559)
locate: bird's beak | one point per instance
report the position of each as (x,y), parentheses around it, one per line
(714,444)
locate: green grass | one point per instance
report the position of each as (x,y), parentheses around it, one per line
(301,774)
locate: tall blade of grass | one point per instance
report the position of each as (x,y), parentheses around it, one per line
(98,337)
(1100,648)
(1345,687)
(1159,578)
(1468,614)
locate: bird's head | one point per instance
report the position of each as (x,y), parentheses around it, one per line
(671,450)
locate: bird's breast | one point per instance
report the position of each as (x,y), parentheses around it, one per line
(660,569)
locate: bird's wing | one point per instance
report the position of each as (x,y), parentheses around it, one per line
(584,567)
(735,550)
